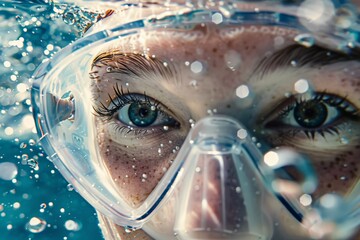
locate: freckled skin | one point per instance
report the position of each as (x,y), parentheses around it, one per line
(127,158)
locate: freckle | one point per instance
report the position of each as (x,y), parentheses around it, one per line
(329,185)
(214,50)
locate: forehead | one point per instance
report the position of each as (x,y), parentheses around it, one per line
(206,52)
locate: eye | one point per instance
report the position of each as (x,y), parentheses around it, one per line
(135,111)
(319,113)
(144,114)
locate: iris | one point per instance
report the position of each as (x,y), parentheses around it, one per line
(310,114)
(142,114)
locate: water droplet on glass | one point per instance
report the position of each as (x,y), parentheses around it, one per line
(242,133)
(345,17)
(305,39)
(344,140)
(36,225)
(193,83)
(70,187)
(196,67)
(242,91)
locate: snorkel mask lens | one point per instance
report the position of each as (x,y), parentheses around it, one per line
(224,173)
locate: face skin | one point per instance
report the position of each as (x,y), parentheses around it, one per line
(188,75)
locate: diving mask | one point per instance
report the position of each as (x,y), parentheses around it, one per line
(217,110)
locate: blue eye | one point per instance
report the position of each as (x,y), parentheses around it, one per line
(320,113)
(135,111)
(144,114)
(140,114)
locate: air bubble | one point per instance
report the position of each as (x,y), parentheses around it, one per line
(8,171)
(70,187)
(33,163)
(24,159)
(69,18)
(71,225)
(36,225)
(23,145)
(32,142)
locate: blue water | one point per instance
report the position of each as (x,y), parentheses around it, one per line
(31,31)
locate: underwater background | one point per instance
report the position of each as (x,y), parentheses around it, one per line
(35,201)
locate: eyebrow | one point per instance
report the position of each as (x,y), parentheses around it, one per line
(134,64)
(301,56)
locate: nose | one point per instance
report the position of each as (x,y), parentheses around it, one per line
(221,194)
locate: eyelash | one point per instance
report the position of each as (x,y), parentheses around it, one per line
(340,103)
(121,99)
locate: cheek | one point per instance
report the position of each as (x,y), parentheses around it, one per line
(135,170)
(339,172)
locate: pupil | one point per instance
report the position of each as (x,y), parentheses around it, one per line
(142,114)
(310,114)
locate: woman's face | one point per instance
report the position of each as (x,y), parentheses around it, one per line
(149,90)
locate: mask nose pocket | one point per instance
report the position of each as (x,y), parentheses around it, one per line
(221,193)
